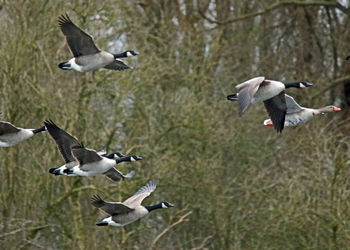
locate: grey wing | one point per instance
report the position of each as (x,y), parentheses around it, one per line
(115,175)
(292,105)
(108,207)
(80,43)
(64,140)
(247,91)
(256,81)
(141,194)
(117,65)
(84,155)
(7,128)
(277,108)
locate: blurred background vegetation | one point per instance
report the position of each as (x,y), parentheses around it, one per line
(235,183)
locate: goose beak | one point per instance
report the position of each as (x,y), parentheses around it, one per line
(268,123)
(335,109)
(308,84)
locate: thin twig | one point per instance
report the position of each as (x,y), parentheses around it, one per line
(275,6)
(182,219)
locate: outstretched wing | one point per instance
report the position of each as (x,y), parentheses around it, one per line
(64,140)
(80,43)
(277,108)
(117,65)
(247,91)
(85,156)
(7,128)
(115,175)
(108,207)
(292,105)
(141,194)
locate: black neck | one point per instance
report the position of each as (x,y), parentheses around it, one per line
(121,55)
(110,156)
(150,208)
(124,158)
(42,129)
(292,85)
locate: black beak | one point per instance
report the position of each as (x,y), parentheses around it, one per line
(308,84)
(138,158)
(170,204)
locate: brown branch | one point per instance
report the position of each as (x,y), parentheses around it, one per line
(332,85)
(276,5)
(182,219)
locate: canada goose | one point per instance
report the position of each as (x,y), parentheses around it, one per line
(270,92)
(11,135)
(87,56)
(80,161)
(297,114)
(123,213)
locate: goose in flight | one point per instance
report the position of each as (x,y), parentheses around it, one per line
(297,114)
(270,92)
(80,161)
(130,210)
(11,135)
(87,56)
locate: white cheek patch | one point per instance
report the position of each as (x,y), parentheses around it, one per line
(301,85)
(128,54)
(132,158)
(163,205)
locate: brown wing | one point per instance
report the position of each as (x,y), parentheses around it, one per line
(277,109)
(80,43)
(114,174)
(141,194)
(64,140)
(7,128)
(84,155)
(110,208)
(117,65)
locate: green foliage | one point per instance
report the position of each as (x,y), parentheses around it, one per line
(235,183)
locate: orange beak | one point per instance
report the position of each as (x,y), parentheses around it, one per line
(268,123)
(335,109)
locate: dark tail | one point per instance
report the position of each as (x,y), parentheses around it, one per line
(233,97)
(54,171)
(64,66)
(42,129)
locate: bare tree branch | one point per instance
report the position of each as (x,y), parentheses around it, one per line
(332,4)
(332,85)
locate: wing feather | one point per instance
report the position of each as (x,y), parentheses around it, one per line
(277,108)
(64,140)
(79,42)
(141,194)
(108,207)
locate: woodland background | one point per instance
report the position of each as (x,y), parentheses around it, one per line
(235,183)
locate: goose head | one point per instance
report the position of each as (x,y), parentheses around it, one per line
(135,158)
(131,53)
(347,58)
(166,204)
(329,109)
(304,84)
